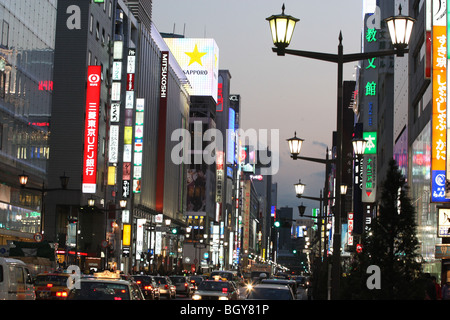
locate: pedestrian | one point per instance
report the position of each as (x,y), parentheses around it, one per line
(438,288)
(446,290)
(430,289)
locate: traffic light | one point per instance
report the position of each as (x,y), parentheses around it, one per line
(277,224)
(174,230)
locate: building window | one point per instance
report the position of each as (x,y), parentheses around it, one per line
(91,24)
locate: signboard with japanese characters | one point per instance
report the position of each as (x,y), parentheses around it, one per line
(439,113)
(443,222)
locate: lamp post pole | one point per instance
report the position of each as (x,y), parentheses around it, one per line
(282,27)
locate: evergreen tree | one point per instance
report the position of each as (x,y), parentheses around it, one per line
(391,244)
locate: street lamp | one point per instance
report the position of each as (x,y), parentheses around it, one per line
(299,188)
(282,27)
(23,180)
(295,145)
(400,28)
(359,145)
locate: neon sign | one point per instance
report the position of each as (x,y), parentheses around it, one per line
(91,129)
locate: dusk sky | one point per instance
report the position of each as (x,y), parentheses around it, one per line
(286,93)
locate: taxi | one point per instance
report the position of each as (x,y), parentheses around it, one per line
(105,286)
(52,286)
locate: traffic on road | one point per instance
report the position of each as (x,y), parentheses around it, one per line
(107,285)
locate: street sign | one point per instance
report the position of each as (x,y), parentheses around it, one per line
(38,237)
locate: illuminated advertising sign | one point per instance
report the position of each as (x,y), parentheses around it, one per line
(350,229)
(219,106)
(126,237)
(443,222)
(439,113)
(114,144)
(115,112)
(231,132)
(162,120)
(138,144)
(219,176)
(199,59)
(91,129)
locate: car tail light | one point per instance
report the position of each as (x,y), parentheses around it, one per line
(185,284)
(138,282)
(117,298)
(224,290)
(61,294)
(49,285)
(166,286)
(148,287)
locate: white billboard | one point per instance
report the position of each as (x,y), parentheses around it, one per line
(199,59)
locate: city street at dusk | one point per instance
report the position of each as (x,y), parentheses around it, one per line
(223,158)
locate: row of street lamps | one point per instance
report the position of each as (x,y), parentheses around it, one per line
(282,27)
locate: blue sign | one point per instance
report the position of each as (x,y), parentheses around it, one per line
(438,186)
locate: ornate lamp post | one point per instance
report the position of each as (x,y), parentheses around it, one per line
(282,27)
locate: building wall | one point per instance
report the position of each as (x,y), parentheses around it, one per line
(26,85)
(85,42)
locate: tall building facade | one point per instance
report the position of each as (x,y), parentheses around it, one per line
(26,88)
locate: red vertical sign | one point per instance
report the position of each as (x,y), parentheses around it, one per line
(91,129)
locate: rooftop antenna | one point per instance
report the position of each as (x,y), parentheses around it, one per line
(184,30)
(173,28)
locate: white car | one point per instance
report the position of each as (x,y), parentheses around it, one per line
(16,282)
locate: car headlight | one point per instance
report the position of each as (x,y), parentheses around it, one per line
(196,297)
(223,298)
(249,286)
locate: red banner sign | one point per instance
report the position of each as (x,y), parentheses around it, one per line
(91,129)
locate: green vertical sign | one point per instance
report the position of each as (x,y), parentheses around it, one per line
(371,146)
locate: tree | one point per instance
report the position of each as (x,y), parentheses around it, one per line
(391,244)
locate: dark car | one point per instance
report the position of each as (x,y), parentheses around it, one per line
(166,287)
(270,292)
(148,286)
(105,289)
(182,285)
(196,280)
(291,283)
(216,290)
(301,281)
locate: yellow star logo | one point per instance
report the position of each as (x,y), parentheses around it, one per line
(196,56)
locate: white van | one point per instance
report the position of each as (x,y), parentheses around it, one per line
(16,282)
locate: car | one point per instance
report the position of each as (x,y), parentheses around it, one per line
(216,290)
(105,288)
(52,286)
(291,283)
(166,287)
(182,285)
(301,281)
(16,282)
(148,285)
(270,292)
(224,274)
(196,280)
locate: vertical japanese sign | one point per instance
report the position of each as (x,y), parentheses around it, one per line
(439,113)
(447,168)
(350,229)
(128,129)
(369,101)
(91,129)
(138,145)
